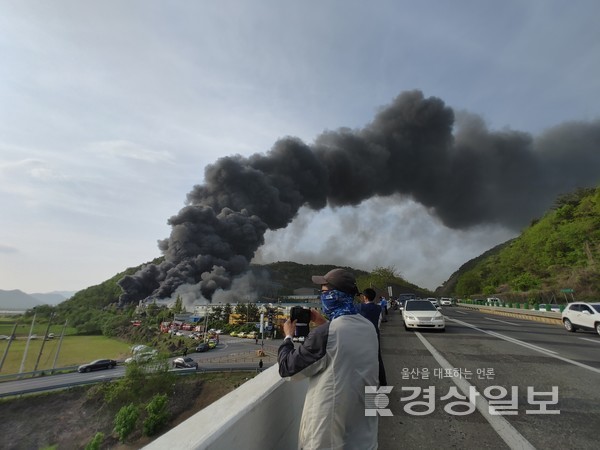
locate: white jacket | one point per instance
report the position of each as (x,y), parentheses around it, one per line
(340,358)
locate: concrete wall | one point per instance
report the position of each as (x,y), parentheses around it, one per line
(526,314)
(264,412)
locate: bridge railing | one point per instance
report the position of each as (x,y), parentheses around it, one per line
(264,412)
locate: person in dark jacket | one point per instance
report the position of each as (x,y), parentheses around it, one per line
(373,312)
(339,358)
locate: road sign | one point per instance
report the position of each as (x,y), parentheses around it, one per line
(568,291)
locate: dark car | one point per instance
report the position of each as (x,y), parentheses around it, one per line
(185,363)
(98,364)
(204,347)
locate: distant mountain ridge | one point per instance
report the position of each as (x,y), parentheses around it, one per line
(18,300)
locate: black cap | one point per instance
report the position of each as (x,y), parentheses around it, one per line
(340,279)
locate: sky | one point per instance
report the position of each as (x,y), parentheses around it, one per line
(110,111)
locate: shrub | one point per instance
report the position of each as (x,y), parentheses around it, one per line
(125,421)
(96,441)
(157,414)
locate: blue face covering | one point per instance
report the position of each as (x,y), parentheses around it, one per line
(337,303)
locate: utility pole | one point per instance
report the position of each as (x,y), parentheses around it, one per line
(27,345)
(62,335)
(37,362)
(10,339)
(262,330)
(205,324)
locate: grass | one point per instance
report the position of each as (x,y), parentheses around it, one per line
(23,327)
(74,350)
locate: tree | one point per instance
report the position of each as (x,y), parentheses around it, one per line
(253,313)
(178,307)
(469,283)
(242,310)
(216,313)
(227,310)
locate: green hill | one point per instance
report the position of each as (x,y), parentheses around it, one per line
(94,310)
(560,251)
(556,253)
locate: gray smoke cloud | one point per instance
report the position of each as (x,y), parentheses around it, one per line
(414,148)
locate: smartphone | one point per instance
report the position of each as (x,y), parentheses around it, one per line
(302,316)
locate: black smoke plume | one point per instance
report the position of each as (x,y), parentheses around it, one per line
(465,174)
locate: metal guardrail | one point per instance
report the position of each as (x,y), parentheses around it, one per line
(44,372)
(550,317)
(180,372)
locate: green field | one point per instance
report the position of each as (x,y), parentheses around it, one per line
(74,350)
(7,326)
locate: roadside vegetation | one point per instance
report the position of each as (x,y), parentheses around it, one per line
(555,259)
(127,413)
(95,327)
(556,256)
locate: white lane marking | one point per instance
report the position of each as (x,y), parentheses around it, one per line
(503,321)
(462,312)
(506,338)
(595,341)
(530,346)
(505,430)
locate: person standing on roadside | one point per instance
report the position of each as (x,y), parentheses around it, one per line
(384,310)
(372,311)
(339,358)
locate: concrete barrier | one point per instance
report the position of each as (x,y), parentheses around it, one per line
(550,317)
(264,412)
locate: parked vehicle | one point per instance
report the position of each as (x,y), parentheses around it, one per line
(98,364)
(141,357)
(203,347)
(582,315)
(141,354)
(185,363)
(493,301)
(548,307)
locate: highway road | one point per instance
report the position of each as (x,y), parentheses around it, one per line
(230,353)
(543,382)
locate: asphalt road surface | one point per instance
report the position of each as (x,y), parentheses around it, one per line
(230,353)
(535,385)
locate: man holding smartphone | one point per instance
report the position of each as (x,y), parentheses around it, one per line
(339,356)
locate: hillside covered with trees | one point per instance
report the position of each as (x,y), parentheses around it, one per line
(95,310)
(556,257)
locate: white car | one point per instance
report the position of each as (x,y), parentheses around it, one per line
(553,308)
(422,314)
(445,301)
(581,315)
(433,300)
